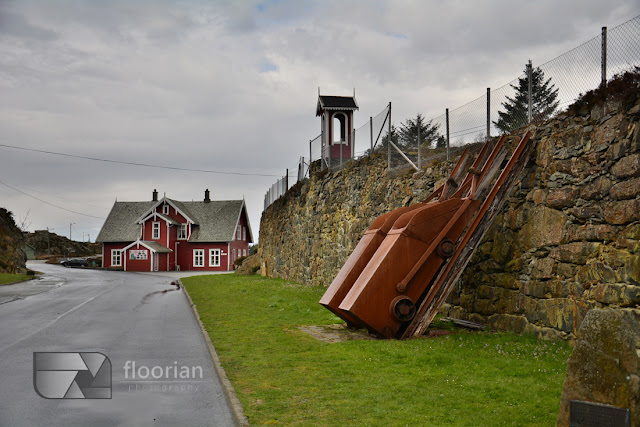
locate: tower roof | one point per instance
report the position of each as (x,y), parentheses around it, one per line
(326,102)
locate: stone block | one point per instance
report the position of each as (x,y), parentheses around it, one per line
(625,189)
(508,322)
(627,166)
(562,197)
(597,189)
(545,227)
(575,252)
(597,271)
(533,288)
(542,268)
(621,212)
(587,212)
(592,233)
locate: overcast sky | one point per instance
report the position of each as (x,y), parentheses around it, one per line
(232,86)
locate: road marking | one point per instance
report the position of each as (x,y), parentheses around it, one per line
(54,320)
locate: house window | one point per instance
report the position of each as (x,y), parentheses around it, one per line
(116,258)
(244,252)
(214,257)
(165,209)
(198,257)
(233,257)
(156,230)
(244,233)
(239,234)
(182,231)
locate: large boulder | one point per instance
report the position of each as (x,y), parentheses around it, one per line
(604,367)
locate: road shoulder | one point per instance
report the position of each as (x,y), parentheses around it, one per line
(236,407)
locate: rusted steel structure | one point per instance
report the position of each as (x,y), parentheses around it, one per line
(405,265)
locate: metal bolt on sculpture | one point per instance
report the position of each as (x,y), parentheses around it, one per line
(405,265)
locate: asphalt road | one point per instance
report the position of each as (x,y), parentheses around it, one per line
(128,318)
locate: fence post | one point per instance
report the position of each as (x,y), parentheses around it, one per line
(419,149)
(529,77)
(371,133)
(604,56)
(447,116)
(488,113)
(389,141)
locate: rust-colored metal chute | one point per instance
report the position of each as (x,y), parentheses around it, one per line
(394,277)
(370,242)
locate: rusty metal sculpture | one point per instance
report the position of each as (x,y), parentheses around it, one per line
(405,265)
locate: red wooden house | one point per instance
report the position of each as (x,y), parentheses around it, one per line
(165,235)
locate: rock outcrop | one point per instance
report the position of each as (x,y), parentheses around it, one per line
(12,256)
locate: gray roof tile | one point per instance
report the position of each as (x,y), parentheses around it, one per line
(215,221)
(120,225)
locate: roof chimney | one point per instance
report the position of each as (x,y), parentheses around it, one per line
(155,195)
(207,199)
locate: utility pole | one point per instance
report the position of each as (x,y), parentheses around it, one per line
(530,102)
(488,113)
(70,224)
(447,118)
(604,57)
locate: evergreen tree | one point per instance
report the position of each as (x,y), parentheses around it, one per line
(544,97)
(408,132)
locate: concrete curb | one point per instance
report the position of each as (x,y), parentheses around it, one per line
(236,407)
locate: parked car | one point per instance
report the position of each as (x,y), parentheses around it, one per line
(75,262)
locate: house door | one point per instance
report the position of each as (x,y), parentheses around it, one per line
(155,262)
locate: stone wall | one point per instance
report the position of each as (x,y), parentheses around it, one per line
(568,239)
(308,234)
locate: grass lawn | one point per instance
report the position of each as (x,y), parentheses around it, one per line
(12,278)
(283,376)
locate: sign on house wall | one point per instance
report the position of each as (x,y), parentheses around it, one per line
(138,254)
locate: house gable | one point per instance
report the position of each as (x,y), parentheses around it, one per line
(219,228)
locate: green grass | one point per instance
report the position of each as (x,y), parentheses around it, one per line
(6,278)
(283,376)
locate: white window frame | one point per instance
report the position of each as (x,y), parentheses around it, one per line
(198,254)
(155,226)
(116,254)
(244,233)
(244,252)
(233,257)
(214,253)
(182,227)
(239,233)
(165,209)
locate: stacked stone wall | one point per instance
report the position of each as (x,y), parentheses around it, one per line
(567,240)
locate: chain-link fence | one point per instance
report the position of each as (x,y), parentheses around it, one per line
(555,85)
(365,140)
(539,93)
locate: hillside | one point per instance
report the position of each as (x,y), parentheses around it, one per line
(48,243)
(12,257)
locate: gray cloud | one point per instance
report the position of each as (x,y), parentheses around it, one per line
(232,85)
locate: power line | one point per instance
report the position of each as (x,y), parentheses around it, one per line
(96,159)
(48,203)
